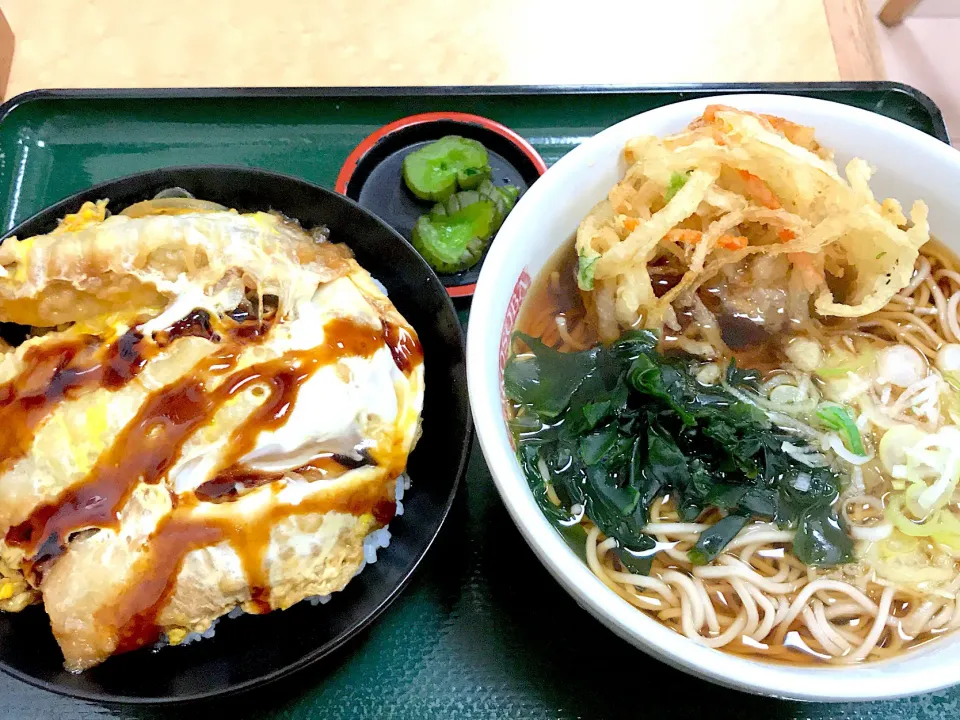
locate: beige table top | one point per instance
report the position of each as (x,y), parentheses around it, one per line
(152,43)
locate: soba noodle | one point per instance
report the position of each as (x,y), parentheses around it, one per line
(756,598)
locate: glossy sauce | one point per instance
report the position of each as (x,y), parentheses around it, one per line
(136,610)
(63,371)
(384,511)
(161,426)
(229,483)
(351,341)
(404,346)
(197,323)
(143,452)
(151,443)
(283,378)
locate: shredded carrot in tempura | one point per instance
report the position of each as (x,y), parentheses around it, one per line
(733,187)
(692,237)
(794,132)
(683,235)
(759,191)
(732,242)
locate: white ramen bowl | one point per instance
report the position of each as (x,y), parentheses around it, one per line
(910,165)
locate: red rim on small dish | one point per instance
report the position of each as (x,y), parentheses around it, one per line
(359,152)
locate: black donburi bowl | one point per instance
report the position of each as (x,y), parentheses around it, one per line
(252,650)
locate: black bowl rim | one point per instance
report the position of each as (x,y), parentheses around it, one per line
(58,210)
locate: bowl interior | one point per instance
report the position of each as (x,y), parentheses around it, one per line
(250,650)
(910,165)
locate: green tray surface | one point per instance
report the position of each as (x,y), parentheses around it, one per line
(482,631)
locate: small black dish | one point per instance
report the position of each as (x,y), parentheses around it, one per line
(371,174)
(252,650)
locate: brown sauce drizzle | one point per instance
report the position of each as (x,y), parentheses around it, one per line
(197,323)
(348,339)
(150,444)
(142,452)
(229,483)
(124,361)
(63,371)
(135,612)
(351,340)
(384,511)
(404,346)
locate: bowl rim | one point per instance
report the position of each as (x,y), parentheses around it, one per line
(870,681)
(72,201)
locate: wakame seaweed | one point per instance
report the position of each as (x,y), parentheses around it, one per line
(615,427)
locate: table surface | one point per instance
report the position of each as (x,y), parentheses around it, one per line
(179,43)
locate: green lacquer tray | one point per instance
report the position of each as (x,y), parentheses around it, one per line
(482,631)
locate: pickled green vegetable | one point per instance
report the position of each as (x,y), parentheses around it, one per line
(436,171)
(504,198)
(455,241)
(454,234)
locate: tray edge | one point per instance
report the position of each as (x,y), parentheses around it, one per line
(926,102)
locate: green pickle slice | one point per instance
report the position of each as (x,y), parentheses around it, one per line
(434,172)
(454,234)
(503,198)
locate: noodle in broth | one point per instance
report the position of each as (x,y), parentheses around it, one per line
(757,599)
(893,367)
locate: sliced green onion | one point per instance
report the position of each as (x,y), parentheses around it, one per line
(585,269)
(837,417)
(858,363)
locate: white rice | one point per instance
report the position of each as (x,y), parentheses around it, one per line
(381,538)
(193,636)
(371,543)
(403,484)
